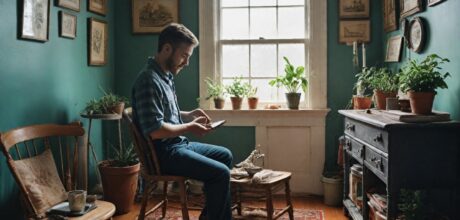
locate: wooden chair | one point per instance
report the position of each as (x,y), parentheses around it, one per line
(151,172)
(31,152)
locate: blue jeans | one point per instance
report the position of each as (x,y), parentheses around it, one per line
(204,162)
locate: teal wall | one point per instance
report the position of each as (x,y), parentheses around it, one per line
(46,82)
(442,23)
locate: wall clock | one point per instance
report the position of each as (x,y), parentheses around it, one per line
(416,34)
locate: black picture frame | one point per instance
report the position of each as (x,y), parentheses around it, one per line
(34,23)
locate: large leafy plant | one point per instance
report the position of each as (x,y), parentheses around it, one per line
(293,80)
(425,76)
(215,89)
(384,80)
(237,88)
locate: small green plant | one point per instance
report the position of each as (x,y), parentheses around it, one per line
(215,89)
(384,80)
(237,88)
(424,76)
(411,204)
(293,80)
(363,82)
(123,157)
(250,91)
(103,104)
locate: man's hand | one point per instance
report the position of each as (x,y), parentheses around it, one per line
(199,126)
(192,115)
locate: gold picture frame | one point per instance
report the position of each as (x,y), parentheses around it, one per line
(410,7)
(98,6)
(354,8)
(67,25)
(34,20)
(97,42)
(354,30)
(394,45)
(70,4)
(149,17)
(390,22)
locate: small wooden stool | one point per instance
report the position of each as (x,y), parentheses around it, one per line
(266,188)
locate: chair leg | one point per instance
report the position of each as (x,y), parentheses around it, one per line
(288,199)
(165,199)
(183,200)
(145,199)
(238,200)
(269,203)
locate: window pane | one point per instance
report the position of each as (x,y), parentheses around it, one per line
(263,23)
(291,2)
(294,52)
(263,60)
(235,60)
(234,3)
(265,92)
(263,2)
(291,23)
(235,23)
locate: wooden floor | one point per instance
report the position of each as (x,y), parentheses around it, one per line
(311,202)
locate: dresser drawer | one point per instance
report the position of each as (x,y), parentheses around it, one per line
(377,162)
(366,133)
(354,148)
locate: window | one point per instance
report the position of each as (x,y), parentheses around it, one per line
(249,38)
(254,35)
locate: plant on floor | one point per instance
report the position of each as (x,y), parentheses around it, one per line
(421,79)
(124,156)
(411,204)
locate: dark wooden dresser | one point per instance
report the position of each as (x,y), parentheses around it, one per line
(397,155)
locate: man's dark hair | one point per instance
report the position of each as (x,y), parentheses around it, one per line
(176,34)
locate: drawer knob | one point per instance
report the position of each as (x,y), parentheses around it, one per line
(361,152)
(378,138)
(350,127)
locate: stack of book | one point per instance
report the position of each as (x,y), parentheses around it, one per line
(377,205)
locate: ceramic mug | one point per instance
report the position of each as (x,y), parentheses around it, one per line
(77,200)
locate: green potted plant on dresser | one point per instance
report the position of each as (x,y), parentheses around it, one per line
(385,85)
(293,80)
(119,178)
(216,91)
(421,79)
(237,89)
(362,99)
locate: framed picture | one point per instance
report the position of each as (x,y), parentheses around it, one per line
(354,30)
(416,34)
(35,20)
(389,15)
(97,6)
(410,7)
(434,2)
(394,45)
(70,4)
(97,42)
(67,25)
(152,16)
(354,8)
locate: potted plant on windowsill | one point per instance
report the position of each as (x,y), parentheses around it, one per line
(362,99)
(237,89)
(216,91)
(420,81)
(119,178)
(253,100)
(385,85)
(293,80)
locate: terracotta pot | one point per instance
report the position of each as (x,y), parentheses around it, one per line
(120,185)
(380,98)
(421,102)
(219,103)
(116,109)
(236,102)
(361,102)
(252,102)
(293,100)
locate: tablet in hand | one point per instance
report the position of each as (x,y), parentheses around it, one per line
(217,124)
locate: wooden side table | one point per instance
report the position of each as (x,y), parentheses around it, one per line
(266,189)
(106,117)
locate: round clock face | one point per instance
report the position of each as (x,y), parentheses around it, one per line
(416,35)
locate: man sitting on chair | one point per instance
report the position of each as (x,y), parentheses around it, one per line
(156,113)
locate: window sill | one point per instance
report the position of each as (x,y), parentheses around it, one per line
(269,117)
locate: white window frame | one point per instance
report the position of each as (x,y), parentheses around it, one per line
(315,50)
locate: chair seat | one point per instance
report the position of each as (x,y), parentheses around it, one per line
(104,210)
